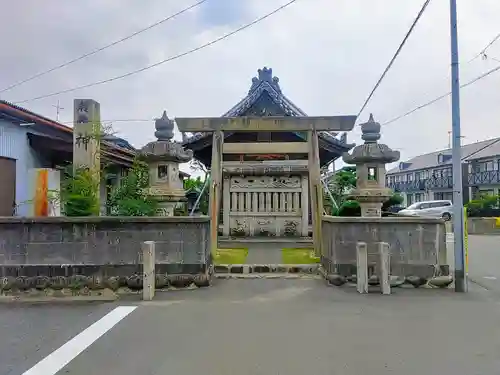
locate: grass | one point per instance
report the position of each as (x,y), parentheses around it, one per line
(298,256)
(231,256)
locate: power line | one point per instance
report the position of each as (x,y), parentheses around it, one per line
(483,51)
(422,10)
(443,96)
(175,57)
(116,120)
(104,47)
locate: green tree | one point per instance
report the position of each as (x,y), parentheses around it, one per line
(196,185)
(131,197)
(341,183)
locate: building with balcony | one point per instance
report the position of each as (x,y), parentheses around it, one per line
(430,177)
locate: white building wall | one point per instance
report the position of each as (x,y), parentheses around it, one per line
(14,144)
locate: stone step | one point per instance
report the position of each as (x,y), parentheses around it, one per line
(278,242)
(245,269)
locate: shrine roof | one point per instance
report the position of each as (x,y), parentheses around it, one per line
(265,85)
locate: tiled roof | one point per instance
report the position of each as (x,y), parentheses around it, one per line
(266,83)
(478,150)
(29,116)
(26,114)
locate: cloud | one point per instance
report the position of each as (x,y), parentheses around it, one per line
(327,54)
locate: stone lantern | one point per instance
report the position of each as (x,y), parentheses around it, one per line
(163,157)
(370,159)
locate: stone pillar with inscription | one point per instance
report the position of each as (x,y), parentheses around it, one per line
(87,134)
(163,157)
(370,159)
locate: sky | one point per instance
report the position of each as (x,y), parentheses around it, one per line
(328,55)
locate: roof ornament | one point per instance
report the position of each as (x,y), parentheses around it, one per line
(370,130)
(265,75)
(164,128)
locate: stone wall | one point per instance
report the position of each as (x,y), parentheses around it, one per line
(483,225)
(417,245)
(101,246)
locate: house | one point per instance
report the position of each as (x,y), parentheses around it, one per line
(29,141)
(430,177)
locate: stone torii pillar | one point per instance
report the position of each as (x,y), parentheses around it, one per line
(311,125)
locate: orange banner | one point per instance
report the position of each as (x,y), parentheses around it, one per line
(41,197)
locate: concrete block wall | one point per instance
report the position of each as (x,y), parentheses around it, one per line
(417,245)
(483,225)
(105,246)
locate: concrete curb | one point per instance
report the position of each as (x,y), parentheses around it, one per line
(289,276)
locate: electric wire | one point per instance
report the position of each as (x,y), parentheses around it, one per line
(407,36)
(484,75)
(175,57)
(38,75)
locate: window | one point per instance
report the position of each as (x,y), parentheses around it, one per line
(263,136)
(372,174)
(439,204)
(486,166)
(409,199)
(162,172)
(418,176)
(419,197)
(448,196)
(409,177)
(419,206)
(487,192)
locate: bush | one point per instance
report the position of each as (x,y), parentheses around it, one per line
(352,208)
(79,192)
(131,197)
(483,206)
(349,208)
(395,200)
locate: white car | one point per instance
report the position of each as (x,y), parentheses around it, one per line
(441,209)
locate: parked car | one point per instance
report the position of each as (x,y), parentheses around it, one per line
(441,209)
(392,211)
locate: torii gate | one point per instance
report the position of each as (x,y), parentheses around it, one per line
(311,125)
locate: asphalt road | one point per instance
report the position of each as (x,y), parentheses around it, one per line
(484,261)
(259,327)
(29,333)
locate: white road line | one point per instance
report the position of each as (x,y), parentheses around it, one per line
(59,358)
(489,277)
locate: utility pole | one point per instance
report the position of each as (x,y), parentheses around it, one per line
(458,204)
(449,138)
(58,110)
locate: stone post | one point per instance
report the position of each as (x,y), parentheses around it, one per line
(384,267)
(370,159)
(148,261)
(362,267)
